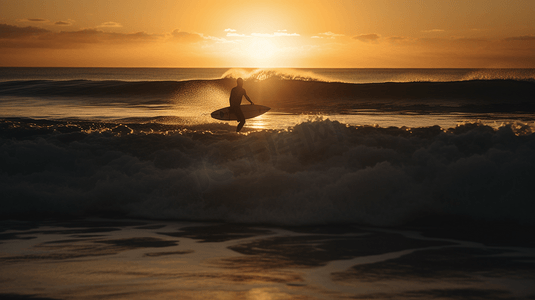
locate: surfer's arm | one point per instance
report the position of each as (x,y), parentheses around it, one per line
(247,97)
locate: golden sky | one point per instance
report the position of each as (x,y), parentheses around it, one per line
(288,33)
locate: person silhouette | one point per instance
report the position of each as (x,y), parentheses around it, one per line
(236,95)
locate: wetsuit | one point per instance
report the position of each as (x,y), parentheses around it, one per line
(236,95)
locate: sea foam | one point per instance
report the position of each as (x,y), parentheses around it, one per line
(317,172)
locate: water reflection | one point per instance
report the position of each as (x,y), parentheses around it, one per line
(282,121)
(258,123)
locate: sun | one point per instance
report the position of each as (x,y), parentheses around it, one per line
(262,51)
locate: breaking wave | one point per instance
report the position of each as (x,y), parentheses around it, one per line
(317,172)
(287,95)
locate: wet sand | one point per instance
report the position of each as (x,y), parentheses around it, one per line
(139,259)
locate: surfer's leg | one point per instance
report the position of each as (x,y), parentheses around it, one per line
(241,119)
(240,126)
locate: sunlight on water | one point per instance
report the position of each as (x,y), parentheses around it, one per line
(61,110)
(281,121)
(258,123)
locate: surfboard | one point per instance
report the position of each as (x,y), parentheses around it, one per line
(249,111)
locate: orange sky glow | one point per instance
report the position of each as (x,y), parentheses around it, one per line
(305,34)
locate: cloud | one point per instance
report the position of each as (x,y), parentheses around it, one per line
(13,32)
(433,30)
(110,25)
(36,38)
(284,32)
(279,33)
(187,37)
(399,39)
(213,38)
(328,34)
(459,52)
(521,38)
(367,38)
(85,37)
(33,20)
(234,34)
(63,23)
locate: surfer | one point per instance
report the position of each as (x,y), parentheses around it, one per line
(236,95)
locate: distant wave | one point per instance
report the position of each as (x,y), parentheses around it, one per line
(382,75)
(295,95)
(318,172)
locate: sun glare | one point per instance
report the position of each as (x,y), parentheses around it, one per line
(262,52)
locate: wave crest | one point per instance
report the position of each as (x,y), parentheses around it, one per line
(280,74)
(505,74)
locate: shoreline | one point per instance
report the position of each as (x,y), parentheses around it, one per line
(136,259)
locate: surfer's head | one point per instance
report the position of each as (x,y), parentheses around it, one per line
(239,81)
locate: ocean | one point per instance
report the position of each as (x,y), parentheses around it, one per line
(356,179)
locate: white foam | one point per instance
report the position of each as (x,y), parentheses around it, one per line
(317,172)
